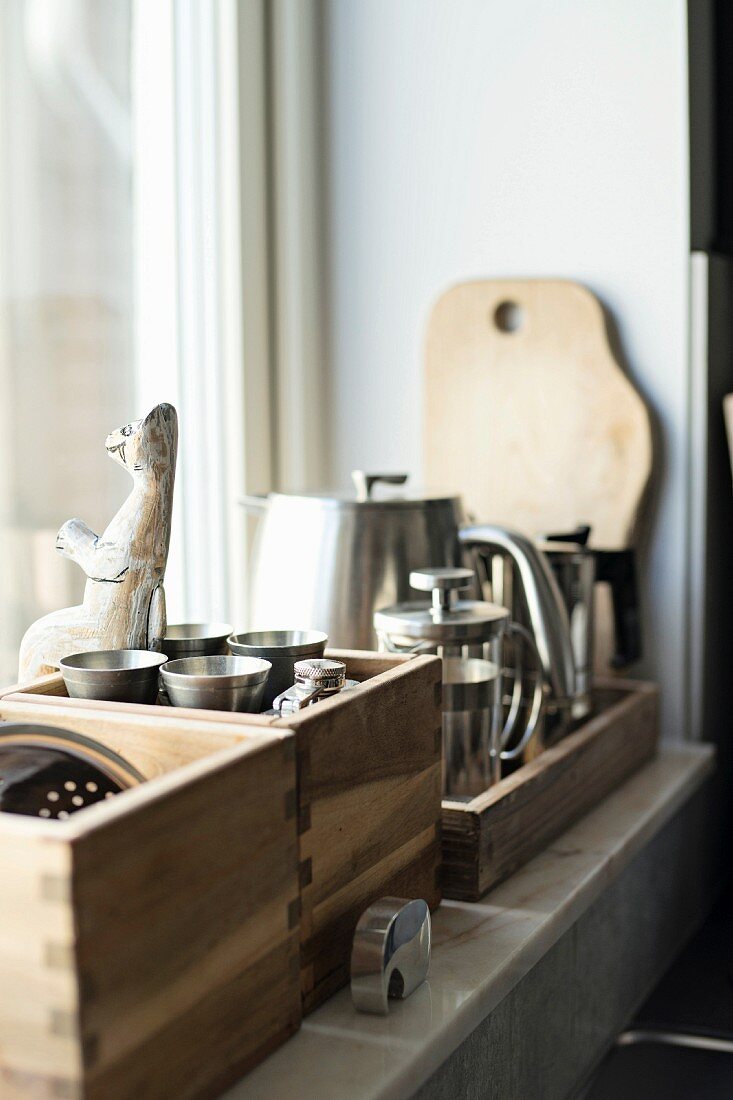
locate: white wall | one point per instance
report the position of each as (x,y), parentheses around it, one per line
(474,138)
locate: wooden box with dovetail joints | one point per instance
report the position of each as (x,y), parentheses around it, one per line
(149,943)
(368,766)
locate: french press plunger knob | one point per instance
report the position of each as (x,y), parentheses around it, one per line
(444,582)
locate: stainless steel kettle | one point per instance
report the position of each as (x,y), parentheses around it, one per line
(328,561)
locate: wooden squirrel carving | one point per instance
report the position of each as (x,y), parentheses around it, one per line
(124,601)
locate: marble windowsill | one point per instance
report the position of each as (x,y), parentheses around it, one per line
(480,952)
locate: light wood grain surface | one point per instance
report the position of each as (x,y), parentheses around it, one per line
(367,788)
(149,944)
(538,428)
(153,743)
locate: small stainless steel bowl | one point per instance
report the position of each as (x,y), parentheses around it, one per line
(282,648)
(118,675)
(216,683)
(196,639)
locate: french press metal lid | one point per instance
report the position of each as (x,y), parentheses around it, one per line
(446,621)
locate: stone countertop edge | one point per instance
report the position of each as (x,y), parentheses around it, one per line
(480,951)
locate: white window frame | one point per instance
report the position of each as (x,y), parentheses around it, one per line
(296,61)
(203,278)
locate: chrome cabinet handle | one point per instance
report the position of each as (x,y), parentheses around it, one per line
(390,955)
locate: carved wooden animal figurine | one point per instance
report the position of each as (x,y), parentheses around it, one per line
(124,601)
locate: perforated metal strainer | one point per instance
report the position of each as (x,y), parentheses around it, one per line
(50,772)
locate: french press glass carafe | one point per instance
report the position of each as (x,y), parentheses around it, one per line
(468,635)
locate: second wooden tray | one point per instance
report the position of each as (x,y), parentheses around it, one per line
(489,837)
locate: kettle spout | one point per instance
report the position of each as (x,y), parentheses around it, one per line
(548,617)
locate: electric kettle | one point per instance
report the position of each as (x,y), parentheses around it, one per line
(328,561)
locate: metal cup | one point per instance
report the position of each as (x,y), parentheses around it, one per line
(282,648)
(196,639)
(216,683)
(117,675)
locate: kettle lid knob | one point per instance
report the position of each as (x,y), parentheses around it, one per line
(364,483)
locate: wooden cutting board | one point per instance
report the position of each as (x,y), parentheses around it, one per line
(527,413)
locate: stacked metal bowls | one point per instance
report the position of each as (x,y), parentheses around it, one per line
(195,669)
(216,682)
(196,640)
(282,648)
(117,675)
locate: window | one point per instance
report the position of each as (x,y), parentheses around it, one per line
(130,272)
(66,289)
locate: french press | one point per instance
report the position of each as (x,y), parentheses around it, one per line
(468,635)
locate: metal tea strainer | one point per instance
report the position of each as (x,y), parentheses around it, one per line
(50,772)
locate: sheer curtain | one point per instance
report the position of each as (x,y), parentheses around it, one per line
(66,288)
(121,249)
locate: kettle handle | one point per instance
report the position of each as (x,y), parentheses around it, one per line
(547,612)
(538,699)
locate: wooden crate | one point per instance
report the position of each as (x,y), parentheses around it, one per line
(369,798)
(368,790)
(149,944)
(489,837)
